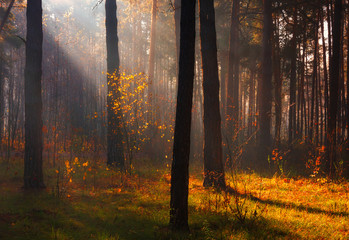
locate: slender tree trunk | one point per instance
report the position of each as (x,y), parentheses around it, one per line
(313,87)
(301,93)
(278,85)
(2,105)
(177,18)
(329,30)
(152,53)
(232,106)
(33,175)
(293,81)
(334,82)
(114,135)
(181,145)
(346,162)
(213,165)
(325,71)
(251,104)
(265,85)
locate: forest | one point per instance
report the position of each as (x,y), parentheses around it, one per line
(174,119)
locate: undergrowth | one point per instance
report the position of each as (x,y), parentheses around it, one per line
(87,200)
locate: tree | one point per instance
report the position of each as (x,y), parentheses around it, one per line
(277,82)
(334,90)
(213,165)
(181,145)
(177,19)
(33,176)
(152,52)
(265,84)
(114,132)
(346,163)
(293,80)
(232,109)
(2,105)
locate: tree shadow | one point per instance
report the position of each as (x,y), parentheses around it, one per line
(261,228)
(279,203)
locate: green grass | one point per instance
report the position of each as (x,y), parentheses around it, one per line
(98,203)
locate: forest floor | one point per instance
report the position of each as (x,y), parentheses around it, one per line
(86,201)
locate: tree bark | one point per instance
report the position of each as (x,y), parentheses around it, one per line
(265,85)
(177,18)
(181,145)
(278,85)
(334,91)
(213,165)
(346,162)
(2,105)
(152,53)
(251,103)
(325,70)
(313,120)
(33,175)
(232,106)
(293,81)
(114,134)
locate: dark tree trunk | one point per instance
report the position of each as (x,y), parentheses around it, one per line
(232,106)
(33,175)
(251,103)
(177,18)
(313,120)
(325,71)
(278,85)
(330,25)
(302,103)
(346,162)
(293,81)
(265,85)
(213,165)
(181,145)
(334,82)
(152,54)
(2,105)
(114,135)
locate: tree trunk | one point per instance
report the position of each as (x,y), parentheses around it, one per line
(313,86)
(265,85)
(346,162)
(303,119)
(334,82)
(232,106)
(181,145)
(152,53)
(293,81)
(177,18)
(213,165)
(114,135)
(325,71)
(33,175)
(251,104)
(2,105)
(278,85)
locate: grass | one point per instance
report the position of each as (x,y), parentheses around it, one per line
(93,202)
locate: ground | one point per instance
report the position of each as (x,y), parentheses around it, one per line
(86,200)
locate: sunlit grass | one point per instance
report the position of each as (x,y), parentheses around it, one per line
(95,202)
